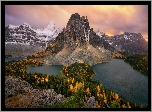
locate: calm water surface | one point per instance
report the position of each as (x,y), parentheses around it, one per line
(122,79)
(46,69)
(11,59)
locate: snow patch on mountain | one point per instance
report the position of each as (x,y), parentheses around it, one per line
(99,33)
(51,30)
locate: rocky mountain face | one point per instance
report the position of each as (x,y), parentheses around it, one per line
(77,32)
(21,50)
(130,42)
(25,37)
(78,43)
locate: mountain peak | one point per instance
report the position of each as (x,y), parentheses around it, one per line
(51,25)
(75,16)
(26,24)
(78,43)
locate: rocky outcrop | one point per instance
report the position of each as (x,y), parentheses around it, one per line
(20,94)
(15,86)
(91,103)
(46,97)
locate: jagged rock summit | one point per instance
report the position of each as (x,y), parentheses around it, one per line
(78,43)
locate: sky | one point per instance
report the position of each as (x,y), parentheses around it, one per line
(110,19)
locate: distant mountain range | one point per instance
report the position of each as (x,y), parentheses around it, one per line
(25,34)
(130,42)
(23,40)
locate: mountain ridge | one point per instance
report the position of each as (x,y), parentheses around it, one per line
(128,41)
(24,32)
(23,38)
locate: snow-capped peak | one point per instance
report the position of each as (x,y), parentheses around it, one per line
(51,30)
(26,24)
(51,26)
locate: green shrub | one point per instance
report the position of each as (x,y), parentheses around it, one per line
(115,104)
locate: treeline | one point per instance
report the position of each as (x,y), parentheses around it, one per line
(138,62)
(121,54)
(75,82)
